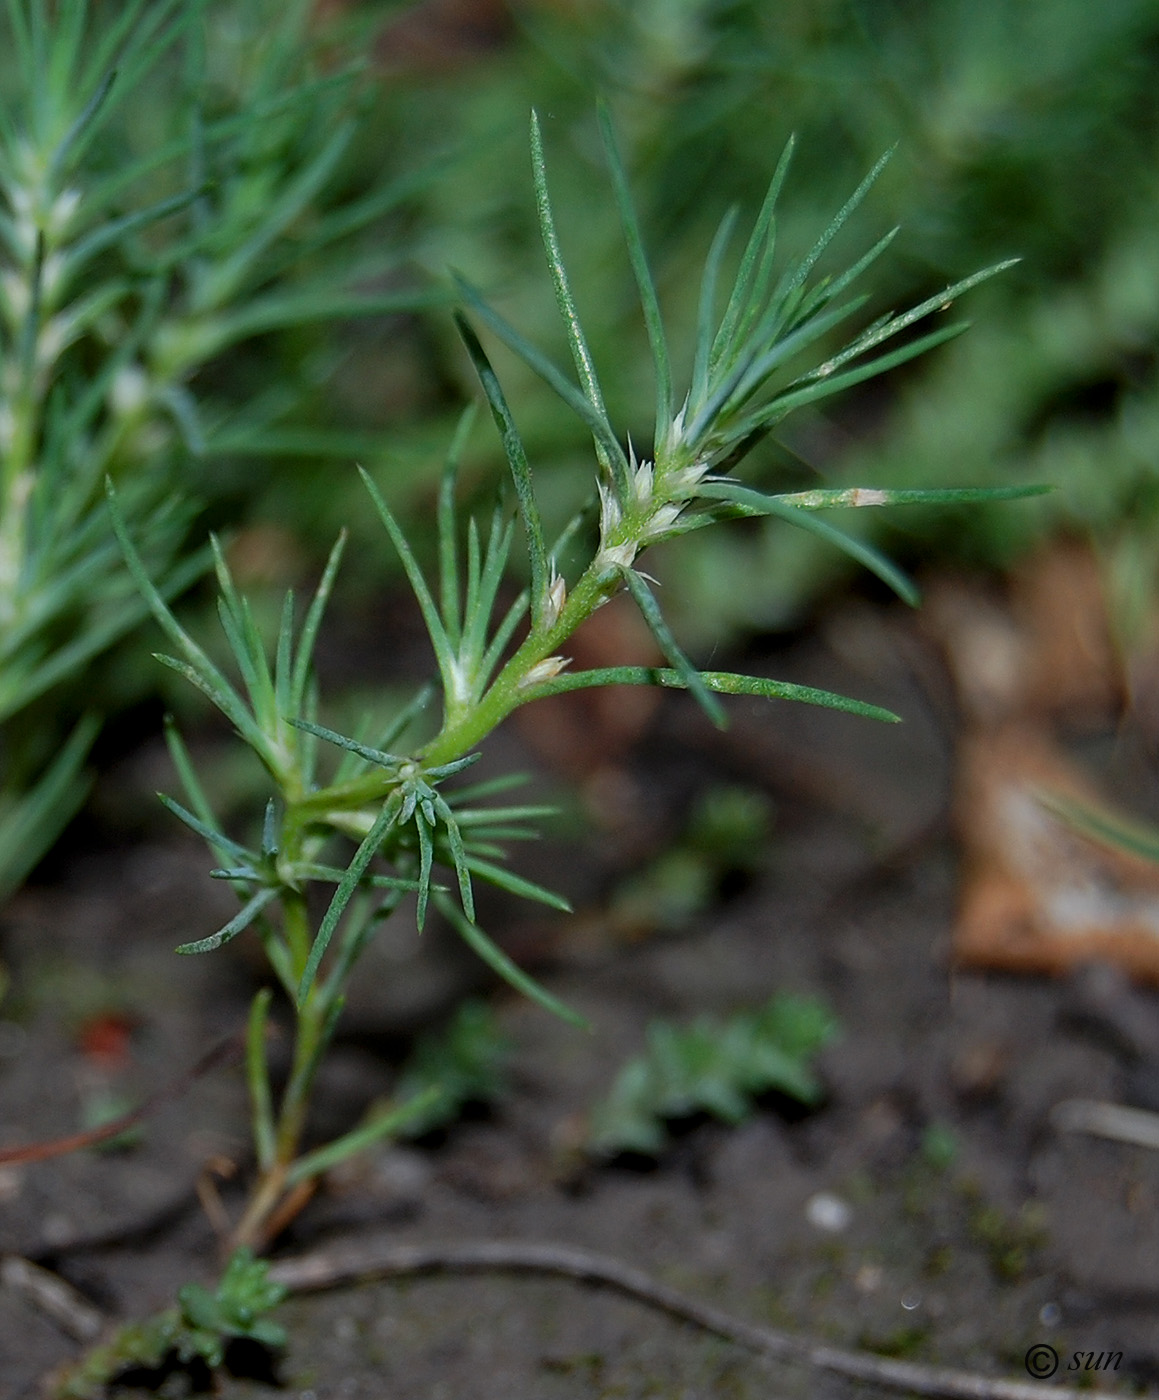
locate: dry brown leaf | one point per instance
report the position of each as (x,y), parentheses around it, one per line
(1036,894)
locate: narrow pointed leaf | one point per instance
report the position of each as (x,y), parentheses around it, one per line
(517,461)
(827,499)
(821,384)
(449,594)
(720,682)
(706,311)
(797,275)
(940,302)
(187,773)
(270,832)
(754,503)
(649,301)
(283,660)
(426,858)
(650,611)
(309,870)
(498,961)
(501,636)
(85,120)
(756,366)
(224,697)
(383,1125)
(377,756)
(516,884)
(448,770)
(581,355)
(258,1078)
(345,892)
(458,856)
(576,401)
(236,925)
(434,624)
(209,678)
(750,286)
(217,839)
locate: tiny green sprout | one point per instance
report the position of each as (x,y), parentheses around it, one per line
(358,824)
(199,1328)
(715,1066)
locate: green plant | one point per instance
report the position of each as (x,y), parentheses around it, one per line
(170,183)
(398,796)
(198,1328)
(713,1066)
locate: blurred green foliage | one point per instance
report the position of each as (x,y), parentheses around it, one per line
(180,230)
(199,1328)
(727,835)
(463,1063)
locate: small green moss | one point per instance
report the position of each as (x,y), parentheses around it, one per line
(901,1342)
(1010,1241)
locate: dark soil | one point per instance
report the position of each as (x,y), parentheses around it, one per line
(971,1229)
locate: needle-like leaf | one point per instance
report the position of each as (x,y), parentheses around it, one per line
(241,921)
(520,469)
(345,892)
(649,301)
(578,402)
(719,682)
(650,611)
(498,961)
(444,654)
(582,356)
(754,503)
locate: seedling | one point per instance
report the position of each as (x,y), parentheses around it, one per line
(394,793)
(399,796)
(198,1329)
(714,1066)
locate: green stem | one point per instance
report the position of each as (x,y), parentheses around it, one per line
(296,927)
(462,731)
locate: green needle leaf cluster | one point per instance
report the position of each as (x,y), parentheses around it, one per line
(376,818)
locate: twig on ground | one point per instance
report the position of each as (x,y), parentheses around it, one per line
(1138,1126)
(228,1052)
(51,1295)
(329,1268)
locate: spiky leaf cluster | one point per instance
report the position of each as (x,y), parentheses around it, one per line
(766,354)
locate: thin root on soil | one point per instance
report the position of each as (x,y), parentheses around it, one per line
(330,1268)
